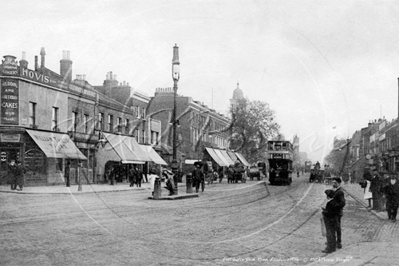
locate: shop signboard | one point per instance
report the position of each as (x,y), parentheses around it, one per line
(9,101)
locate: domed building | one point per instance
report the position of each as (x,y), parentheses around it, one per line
(238,95)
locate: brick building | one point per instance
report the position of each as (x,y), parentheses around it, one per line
(199,126)
(48,120)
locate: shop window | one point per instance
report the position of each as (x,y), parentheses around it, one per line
(59,165)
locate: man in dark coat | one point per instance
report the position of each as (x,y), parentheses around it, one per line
(198,178)
(20,175)
(339,198)
(12,173)
(392,194)
(375,189)
(330,216)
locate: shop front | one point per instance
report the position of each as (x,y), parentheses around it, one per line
(43,154)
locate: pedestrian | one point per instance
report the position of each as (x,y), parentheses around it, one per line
(20,175)
(330,217)
(198,177)
(375,189)
(139,177)
(12,174)
(170,183)
(392,195)
(132,177)
(66,174)
(216,176)
(230,174)
(152,176)
(367,193)
(339,196)
(145,172)
(112,175)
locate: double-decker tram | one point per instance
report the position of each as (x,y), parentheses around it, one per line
(280,155)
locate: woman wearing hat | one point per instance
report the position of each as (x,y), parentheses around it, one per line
(391,192)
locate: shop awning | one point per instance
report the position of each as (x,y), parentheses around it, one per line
(216,158)
(227,157)
(221,156)
(154,156)
(232,156)
(138,151)
(125,153)
(56,145)
(242,159)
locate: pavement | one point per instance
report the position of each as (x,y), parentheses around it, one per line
(362,253)
(99,188)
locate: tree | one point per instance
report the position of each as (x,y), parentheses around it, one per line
(253,124)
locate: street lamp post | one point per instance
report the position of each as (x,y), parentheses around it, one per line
(175,76)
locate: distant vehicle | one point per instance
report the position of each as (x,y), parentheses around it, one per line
(280,162)
(254,172)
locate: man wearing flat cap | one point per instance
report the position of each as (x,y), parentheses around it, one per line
(340,198)
(330,214)
(392,195)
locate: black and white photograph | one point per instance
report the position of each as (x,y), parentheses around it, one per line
(199,132)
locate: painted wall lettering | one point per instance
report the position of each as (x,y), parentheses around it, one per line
(9,102)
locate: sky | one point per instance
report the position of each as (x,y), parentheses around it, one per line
(326,68)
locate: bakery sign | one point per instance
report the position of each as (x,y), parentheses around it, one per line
(9,66)
(9,101)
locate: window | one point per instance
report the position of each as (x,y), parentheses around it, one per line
(86,123)
(136,134)
(32,114)
(127,126)
(119,123)
(143,113)
(54,120)
(154,138)
(110,123)
(137,112)
(101,121)
(74,121)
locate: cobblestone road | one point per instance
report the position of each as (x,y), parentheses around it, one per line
(229,224)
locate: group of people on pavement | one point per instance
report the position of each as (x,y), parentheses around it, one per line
(135,177)
(382,191)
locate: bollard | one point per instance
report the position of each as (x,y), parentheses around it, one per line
(157,188)
(189,183)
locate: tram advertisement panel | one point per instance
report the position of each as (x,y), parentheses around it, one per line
(9,101)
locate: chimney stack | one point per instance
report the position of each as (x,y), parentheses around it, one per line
(36,63)
(23,63)
(66,66)
(42,54)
